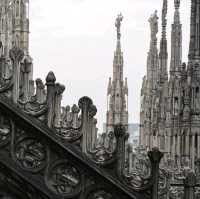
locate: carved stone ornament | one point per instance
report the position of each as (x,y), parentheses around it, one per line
(64,179)
(30,154)
(70,135)
(141,172)
(5,130)
(176,192)
(103,156)
(16,54)
(34,108)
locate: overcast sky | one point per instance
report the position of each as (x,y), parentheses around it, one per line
(76,39)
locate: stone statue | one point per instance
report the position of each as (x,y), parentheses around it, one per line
(118,25)
(177,4)
(153,20)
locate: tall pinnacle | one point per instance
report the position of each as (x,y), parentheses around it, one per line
(118,55)
(164,20)
(117,88)
(194,52)
(176,41)
(163,55)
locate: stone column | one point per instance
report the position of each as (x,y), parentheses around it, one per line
(178,145)
(75,112)
(26,69)
(120,134)
(174,147)
(31,88)
(130,158)
(189,186)
(50,82)
(91,127)
(155,156)
(187,145)
(16,56)
(192,152)
(94,133)
(85,104)
(59,89)
(169,144)
(198,147)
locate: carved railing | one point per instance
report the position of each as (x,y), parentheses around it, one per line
(75,125)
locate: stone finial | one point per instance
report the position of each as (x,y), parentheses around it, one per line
(50,79)
(67,108)
(85,101)
(75,109)
(59,89)
(39,83)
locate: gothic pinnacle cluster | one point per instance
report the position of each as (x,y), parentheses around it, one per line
(170,110)
(14,21)
(117,88)
(14,34)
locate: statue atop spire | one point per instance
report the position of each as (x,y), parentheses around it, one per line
(177,4)
(153,20)
(118,25)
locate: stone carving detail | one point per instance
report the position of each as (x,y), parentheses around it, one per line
(141,171)
(16,54)
(5,130)
(163,182)
(100,194)
(104,153)
(70,124)
(30,154)
(176,192)
(64,179)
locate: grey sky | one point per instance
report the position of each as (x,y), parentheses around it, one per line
(76,39)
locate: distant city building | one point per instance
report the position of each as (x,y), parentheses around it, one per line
(133,130)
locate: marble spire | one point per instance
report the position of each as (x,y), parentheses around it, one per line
(117,88)
(163,55)
(176,41)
